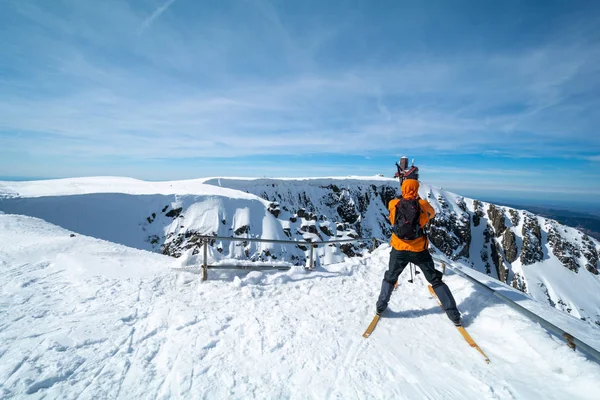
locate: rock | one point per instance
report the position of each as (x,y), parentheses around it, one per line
(497,218)
(531,251)
(589,250)
(509,243)
(514,216)
(242,230)
(174,213)
(451,234)
(478,212)
(72,235)
(154,239)
(592,269)
(565,251)
(274,209)
(347,210)
(325,229)
(348,249)
(498,262)
(519,283)
(460,201)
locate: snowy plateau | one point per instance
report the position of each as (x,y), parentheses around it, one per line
(101,296)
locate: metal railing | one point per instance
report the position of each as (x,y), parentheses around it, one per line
(572,341)
(205,240)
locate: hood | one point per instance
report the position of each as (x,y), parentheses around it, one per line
(410,189)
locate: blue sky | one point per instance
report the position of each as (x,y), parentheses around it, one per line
(492,99)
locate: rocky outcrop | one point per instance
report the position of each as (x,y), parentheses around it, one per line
(174,213)
(531,251)
(518,282)
(509,243)
(564,250)
(347,209)
(590,253)
(514,216)
(496,217)
(274,209)
(386,194)
(451,234)
(477,212)
(460,202)
(242,230)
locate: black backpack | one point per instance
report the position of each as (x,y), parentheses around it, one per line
(406,224)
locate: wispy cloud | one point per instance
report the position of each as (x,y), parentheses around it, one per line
(157,13)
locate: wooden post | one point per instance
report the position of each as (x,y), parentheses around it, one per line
(374,245)
(569,340)
(205,261)
(310,262)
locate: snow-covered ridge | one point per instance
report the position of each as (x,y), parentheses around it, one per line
(555,264)
(85,318)
(91,185)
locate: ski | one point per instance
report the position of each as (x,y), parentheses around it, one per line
(371,327)
(461,329)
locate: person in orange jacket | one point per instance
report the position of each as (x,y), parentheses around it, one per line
(414,251)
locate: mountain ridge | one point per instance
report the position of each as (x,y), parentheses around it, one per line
(549,261)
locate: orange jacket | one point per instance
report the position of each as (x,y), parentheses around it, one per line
(410,190)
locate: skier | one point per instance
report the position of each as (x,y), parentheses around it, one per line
(408,215)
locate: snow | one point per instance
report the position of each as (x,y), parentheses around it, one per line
(92,185)
(128,211)
(86,318)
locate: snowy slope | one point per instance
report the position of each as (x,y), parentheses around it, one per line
(552,263)
(85,318)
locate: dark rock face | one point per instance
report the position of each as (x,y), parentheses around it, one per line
(498,261)
(497,218)
(274,209)
(514,217)
(477,213)
(242,230)
(509,243)
(590,253)
(451,234)
(325,229)
(348,249)
(347,210)
(565,251)
(460,202)
(532,251)
(592,269)
(174,213)
(519,283)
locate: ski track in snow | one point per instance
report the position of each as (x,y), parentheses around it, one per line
(83,318)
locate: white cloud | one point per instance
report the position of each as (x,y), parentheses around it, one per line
(187,92)
(157,12)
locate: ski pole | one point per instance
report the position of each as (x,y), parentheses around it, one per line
(411,280)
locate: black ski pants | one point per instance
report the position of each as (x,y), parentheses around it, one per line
(398,261)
